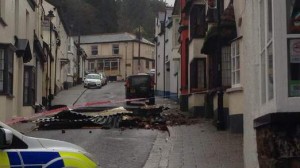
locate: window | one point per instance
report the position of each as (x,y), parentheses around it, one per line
(226,66)
(266,52)
(198,24)
(270,72)
(115,49)
(6,70)
(198,71)
(293,16)
(29,96)
(114,65)
(294,67)
(177,35)
(94,50)
(235,63)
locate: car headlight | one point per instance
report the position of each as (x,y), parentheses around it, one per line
(92,158)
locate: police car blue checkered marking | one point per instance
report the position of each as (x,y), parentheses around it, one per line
(32,158)
(14,158)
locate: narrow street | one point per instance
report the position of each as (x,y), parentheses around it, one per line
(187,146)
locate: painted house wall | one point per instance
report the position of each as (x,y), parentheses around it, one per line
(129,47)
(160,54)
(21,22)
(251,87)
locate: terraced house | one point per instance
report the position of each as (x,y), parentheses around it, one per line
(36,56)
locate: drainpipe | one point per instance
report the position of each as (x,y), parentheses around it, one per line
(221,117)
(156,65)
(164,60)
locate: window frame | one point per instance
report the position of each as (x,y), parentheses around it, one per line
(235,64)
(31,88)
(115,47)
(267,40)
(226,70)
(94,50)
(194,72)
(8,74)
(198,24)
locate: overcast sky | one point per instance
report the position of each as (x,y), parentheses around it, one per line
(170,2)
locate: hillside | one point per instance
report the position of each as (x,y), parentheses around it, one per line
(109,16)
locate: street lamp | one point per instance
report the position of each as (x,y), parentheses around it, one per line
(50,96)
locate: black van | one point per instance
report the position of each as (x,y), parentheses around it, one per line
(140,86)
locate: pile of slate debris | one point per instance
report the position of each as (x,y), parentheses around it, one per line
(147,117)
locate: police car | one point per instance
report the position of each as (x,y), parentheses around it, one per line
(20,151)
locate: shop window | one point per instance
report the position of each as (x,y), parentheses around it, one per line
(235,63)
(294,67)
(198,75)
(293,16)
(29,90)
(115,49)
(6,70)
(226,66)
(94,50)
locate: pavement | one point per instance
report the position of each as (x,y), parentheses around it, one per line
(187,146)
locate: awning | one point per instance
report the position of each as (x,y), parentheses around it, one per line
(23,49)
(38,48)
(225,33)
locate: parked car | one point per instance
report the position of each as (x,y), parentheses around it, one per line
(140,86)
(92,80)
(104,78)
(18,150)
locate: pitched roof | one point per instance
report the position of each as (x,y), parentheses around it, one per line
(108,38)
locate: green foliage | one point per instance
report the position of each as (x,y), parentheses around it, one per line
(109,16)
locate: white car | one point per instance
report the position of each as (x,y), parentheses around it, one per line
(18,150)
(93,80)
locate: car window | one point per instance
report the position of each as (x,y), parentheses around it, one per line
(139,80)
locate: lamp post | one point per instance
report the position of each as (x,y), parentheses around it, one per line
(50,95)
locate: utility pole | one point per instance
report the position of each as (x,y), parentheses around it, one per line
(139,56)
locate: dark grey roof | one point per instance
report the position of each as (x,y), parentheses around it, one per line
(108,38)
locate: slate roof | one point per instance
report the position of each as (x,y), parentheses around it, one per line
(109,38)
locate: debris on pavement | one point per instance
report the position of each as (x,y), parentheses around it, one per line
(146,117)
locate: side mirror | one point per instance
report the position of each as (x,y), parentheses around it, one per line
(6,137)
